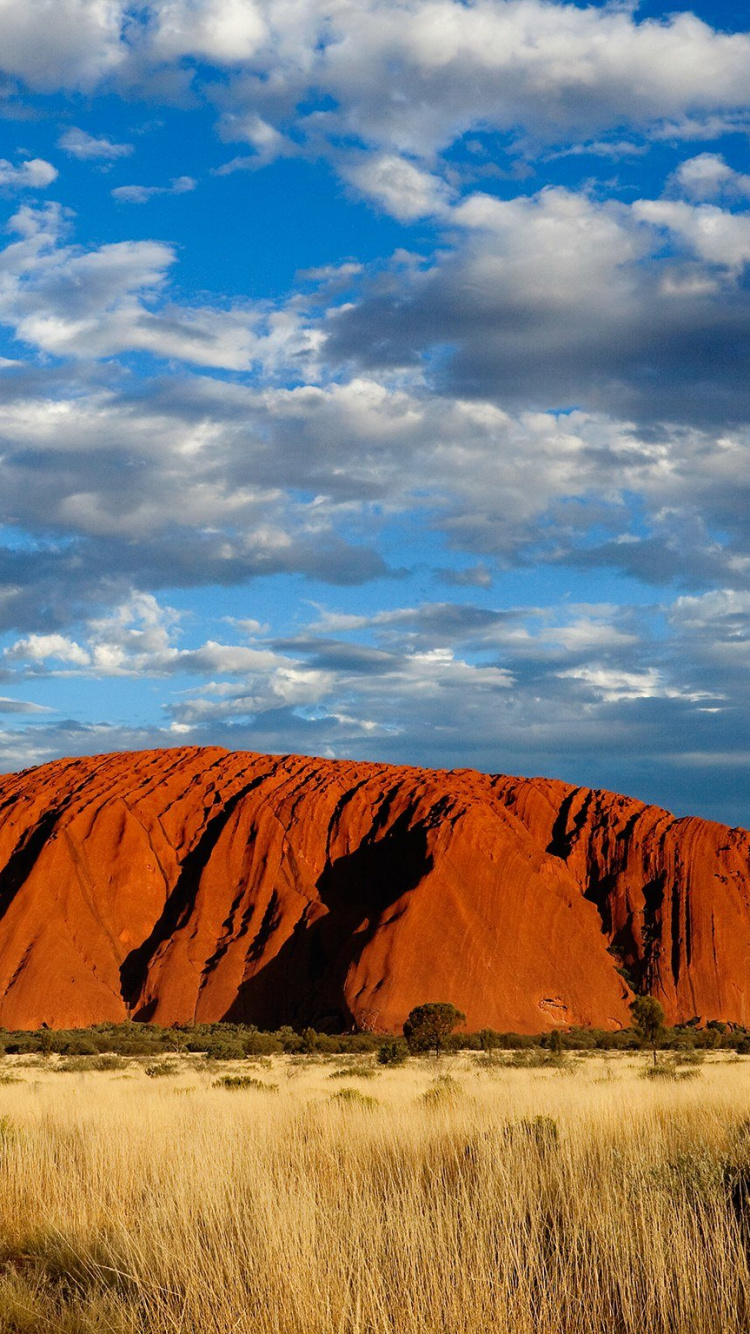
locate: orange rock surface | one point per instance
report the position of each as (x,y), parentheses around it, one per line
(199,884)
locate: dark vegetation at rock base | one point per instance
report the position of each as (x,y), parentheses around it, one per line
(235,1042)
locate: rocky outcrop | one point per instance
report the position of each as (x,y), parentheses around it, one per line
(198,884)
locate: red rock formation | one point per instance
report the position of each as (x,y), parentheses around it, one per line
(197,884)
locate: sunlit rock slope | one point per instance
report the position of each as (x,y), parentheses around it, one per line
(199,884)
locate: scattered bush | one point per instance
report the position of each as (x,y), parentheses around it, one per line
(393,1053)
(262,1044)
(689,1057)
(354,1072)
(443,1092)
(693,1172)
(668,1070)
(162,1069)
(354,1098)
(537,1058)
(236,1082)
(225,1051)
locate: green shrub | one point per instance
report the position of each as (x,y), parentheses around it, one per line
(225,1051)
(489,1040)
(392,1053)
(76,1047)
(689,1057)
(354,1072)
(354,1098)
(244,1082)
(443,1092)
(261,1044)
(162,1069)
(537,1058)
(667,1070)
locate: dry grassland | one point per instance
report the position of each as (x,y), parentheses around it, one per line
(164,1203)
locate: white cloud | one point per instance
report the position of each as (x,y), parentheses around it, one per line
(40,648)
(140,194)
(33,174)
(267,142)
(98,303)
(89,147)
(196,472)
(408,81)
(559,299)
(139,638)
(712,234)
(220,31)
(61,43)
(21,706)
(399,187)
(614,686)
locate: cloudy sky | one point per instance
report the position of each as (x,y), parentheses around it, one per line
(374,382)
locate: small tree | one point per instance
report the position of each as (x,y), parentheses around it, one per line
(428,1026)
(555,1042)
(648,1020)
(489,1040)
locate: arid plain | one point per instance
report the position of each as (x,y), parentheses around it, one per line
(513,1192)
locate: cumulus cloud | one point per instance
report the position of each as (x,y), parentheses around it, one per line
(711,234)
(410,83)
(89,147)
(401,188)
(407,82)
(557,299)
(219,31)
(61,43)
(41,648)
(33,174)
(21,706)
(74,303)
(192,481)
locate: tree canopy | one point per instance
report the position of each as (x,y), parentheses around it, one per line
(428,1026)
(648,1020)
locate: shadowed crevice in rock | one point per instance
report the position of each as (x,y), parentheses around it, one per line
(564,833)
(24,857)
(304,981)
(179,904)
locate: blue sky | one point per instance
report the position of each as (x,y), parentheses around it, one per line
(374,384)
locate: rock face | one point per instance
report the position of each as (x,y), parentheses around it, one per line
(197,884)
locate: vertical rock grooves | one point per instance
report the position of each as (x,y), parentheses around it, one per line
(199,884)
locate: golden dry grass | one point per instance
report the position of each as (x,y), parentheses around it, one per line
(130,1203)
